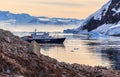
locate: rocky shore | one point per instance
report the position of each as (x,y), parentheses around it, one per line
(22,59)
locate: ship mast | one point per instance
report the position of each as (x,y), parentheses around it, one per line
(35,31)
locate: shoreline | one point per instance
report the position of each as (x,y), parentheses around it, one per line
(19,59)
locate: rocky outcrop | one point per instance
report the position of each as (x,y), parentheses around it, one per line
(16,60)
(108,14)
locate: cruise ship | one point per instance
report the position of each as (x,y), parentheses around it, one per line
(43,37)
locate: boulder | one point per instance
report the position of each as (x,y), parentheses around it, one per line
(34,48)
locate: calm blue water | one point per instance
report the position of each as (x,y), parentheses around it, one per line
(76,48)
(79,49)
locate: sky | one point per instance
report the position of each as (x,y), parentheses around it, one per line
(53,8)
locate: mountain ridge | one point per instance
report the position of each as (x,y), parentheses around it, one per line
(104,21)
(106,15)
(26,19)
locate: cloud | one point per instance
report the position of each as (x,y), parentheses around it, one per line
(58,3)
(62,4)
(67,3)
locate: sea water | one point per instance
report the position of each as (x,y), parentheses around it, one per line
(77,48)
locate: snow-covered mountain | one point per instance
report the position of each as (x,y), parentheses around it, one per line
(25,19)
(16,18)
(60,21)
(106,20)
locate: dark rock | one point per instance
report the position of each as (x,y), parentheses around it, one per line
(108,16)
(34,48)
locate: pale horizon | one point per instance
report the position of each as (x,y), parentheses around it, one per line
(55,8)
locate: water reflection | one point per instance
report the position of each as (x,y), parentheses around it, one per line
(75,51)
(79,49)
(114,56)
(47,47)
(109,50)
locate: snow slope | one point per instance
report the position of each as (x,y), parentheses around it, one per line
(109,29)
(105,21)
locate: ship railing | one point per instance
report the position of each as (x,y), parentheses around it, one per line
(57,35)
